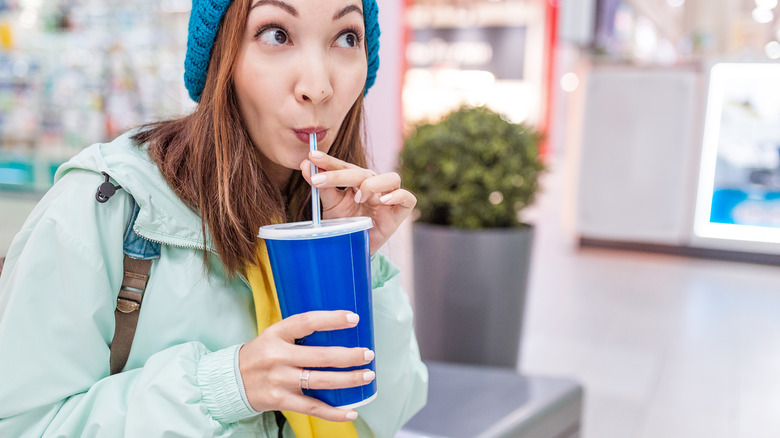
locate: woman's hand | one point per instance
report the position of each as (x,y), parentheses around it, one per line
(272,365)
(348,190)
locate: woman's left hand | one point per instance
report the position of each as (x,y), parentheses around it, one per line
(348,190)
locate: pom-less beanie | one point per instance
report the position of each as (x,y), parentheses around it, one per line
(205,19)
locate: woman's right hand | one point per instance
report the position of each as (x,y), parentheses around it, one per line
(271,365)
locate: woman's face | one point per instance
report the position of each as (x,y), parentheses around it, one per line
(300,68)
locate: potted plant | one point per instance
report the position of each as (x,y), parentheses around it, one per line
(473,174)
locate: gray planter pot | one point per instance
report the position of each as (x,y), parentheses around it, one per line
(469,289)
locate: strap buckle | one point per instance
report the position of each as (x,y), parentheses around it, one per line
(125,305)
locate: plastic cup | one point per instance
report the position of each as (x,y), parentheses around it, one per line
(326,267)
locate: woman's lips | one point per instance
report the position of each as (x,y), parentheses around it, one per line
(303,134)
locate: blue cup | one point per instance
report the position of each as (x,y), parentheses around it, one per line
(326,268)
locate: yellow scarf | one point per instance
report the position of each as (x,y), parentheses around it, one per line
(261,281)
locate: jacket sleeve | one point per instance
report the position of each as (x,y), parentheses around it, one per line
(402,378)
(57,298)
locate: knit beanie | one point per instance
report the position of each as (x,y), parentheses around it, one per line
(205,19)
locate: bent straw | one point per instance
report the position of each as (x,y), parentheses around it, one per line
(315,192)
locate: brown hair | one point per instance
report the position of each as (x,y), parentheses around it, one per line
(208,158)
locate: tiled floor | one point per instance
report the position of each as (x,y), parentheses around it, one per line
(665,346)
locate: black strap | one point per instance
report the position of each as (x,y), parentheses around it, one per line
(280,421)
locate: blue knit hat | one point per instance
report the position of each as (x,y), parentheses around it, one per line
(205,19)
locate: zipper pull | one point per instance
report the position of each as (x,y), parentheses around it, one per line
(106,190)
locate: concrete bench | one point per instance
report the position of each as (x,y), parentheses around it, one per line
(474,401)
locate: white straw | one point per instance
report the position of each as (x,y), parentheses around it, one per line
(315,192)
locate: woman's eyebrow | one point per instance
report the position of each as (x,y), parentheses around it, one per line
(347,10)
(279,3)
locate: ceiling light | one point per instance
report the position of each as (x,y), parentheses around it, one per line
(763,15)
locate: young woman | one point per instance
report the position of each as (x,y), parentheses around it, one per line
(265,74)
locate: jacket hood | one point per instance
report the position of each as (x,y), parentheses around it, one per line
(164,217)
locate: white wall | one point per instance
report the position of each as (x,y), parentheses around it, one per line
(383,101)
(383,122)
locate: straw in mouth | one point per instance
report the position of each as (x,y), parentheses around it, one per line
(315,192)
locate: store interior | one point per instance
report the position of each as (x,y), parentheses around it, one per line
(654,281)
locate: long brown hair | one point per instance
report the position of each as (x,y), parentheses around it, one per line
(208,158)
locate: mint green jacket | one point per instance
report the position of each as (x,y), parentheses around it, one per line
(58,292)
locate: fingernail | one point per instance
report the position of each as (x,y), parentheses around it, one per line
(353,318)
(317,154)
(318,178)
(368,376)
(386,198)
(368,355)
(358,195)
(352,415)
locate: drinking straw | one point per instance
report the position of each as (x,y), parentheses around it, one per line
(315,192)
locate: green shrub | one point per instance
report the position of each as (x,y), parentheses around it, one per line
(473,169)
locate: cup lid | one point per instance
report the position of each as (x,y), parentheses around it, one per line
(307,230)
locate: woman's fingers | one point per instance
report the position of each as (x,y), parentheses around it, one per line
(368,194)
(339,379)
(369,185)
(271,365)
(325,161)
(348,177)
(331,357)
(315,408)
(329,379)
(372,189)
(304,324)
(399,197)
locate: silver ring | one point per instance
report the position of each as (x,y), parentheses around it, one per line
(303,380)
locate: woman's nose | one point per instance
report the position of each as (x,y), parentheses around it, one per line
(314,79)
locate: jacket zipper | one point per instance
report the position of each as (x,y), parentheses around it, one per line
(135,228)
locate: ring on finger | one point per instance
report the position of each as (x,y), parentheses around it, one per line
(303,380)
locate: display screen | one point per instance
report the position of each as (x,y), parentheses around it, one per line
(739,180)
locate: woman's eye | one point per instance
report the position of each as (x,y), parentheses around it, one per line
(348,39)
(274,36)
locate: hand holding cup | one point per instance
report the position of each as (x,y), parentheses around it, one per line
(272,365)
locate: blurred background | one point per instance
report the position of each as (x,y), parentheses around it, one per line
(654,279)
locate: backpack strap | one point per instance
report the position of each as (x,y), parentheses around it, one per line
(138,256)
(128,308)
(139,253)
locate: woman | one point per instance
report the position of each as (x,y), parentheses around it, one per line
(265,74)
